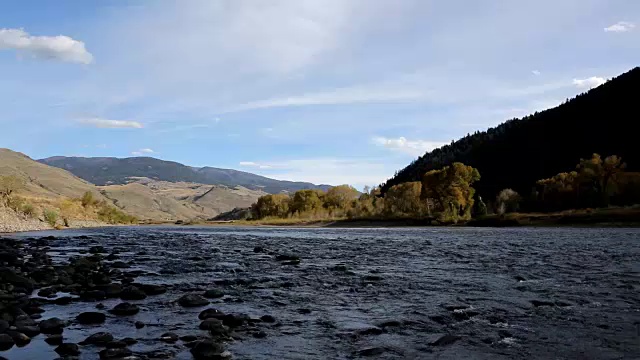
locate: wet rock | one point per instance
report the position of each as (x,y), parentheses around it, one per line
(111,257)
(48,292)
(373,278)
(519,278)
(268,319)
(97,250)
(287,257)
(209,350)
(213,294)
(112,354)
(51,326)
(6,342)
(101,306)
(119,265)
(54,340)
(538,303)
(169,337)
(258,249)
(8,276)
(390,323)
(151,289)
(193,300)
(30,331)
(91,318)
(304,311)
(125,309)
(112,290)
(444,340)
(64,300)
(235,320)
(68,349)
(116,344)
(504,334)
(93,295)
(260,335)
(371,351)
(132,293)
(370,331)
(454,307)
(188,338)
(99,339)
(4,326)
(211,314)
(139,324)
(129,341)
(19,338)
(464,314)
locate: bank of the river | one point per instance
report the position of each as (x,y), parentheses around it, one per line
(10,222)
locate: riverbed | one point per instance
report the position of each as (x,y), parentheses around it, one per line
(401,293)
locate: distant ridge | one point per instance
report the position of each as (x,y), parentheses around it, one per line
(118,171)
(521,151)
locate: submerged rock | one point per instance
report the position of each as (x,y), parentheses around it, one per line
(91,318)
(445,340)
(169,337)
(193,300)
(211,314)
(213,294)
(54,340)
(100,338)
(132,293)
(125,309)
(68,349)
(112,354)
(51,326)
(6,342)
(209,350)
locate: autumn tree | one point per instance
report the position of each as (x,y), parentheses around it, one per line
(404,200)
(340,197)
(597,174)
(450,189)
(276,205)
(307,201)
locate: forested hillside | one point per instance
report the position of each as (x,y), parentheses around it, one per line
(521,151)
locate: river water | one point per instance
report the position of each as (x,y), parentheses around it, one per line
(516,293)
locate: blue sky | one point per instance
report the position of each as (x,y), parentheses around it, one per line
(327,91)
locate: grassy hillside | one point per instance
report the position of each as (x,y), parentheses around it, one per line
(114,171)
(521,151)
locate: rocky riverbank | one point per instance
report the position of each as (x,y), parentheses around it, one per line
(10,222)
(30,281)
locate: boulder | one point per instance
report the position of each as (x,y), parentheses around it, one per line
(213,294)
(109,354)
(6,342)
(68,349)
(99,339)
(193,300)
(208,349)
(54,340)
(125,309)
(169,337)
(268,319)
(51,326)
(91,318)
(132,293)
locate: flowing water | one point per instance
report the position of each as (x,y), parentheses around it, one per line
(517,293)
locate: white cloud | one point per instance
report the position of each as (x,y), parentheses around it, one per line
(589,83)
(59,47)
(621,26)
(255,165)
(142,152)
(535,72)
(111,124)
(411,147)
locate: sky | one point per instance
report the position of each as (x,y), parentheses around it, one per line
(326,91)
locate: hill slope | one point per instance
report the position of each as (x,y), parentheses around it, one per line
(109,171)
(522,151)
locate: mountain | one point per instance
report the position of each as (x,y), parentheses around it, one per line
(521,151)
(42,180)
(109,171)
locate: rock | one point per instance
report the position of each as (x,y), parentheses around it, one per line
(304,311)
(371,351)
(287,257)
(213,294)
(101,306)
(99,339)
(139,324)
(68,349)
(169,337)
(151,289)
(19,338)
(258,249)
(268,319)
(390,323)
(538,303)
(370,331)
(129,341)
(211,314)
(54,340)
(51,326)
(116,344)
(215,327)
(6,342)
(291,262)
(93,295)
(64,300)
(132,293)
(109,354)
(30,331)
(48,292)
(260,335)
(97,250)
(208,350)
(519,278)
(8,276)
(454,307)
(465,314)
(112,290)
(188,338)
(125,309)
(193,300)
(444,340)
(235,320)
(4,326)
(119,265)
(91,318)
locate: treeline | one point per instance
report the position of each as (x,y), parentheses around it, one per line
(445,194)
(521,151)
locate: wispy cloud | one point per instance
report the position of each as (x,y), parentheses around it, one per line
(535,72)
(410,147)
(140,152)
(589,83)
(111,124)
(255,165)
(59,47)
(621,26)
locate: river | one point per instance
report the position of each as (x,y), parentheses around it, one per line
(401,293)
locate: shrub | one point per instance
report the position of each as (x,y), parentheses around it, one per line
(508,201)
(87,199)
(112,215)
(50,216)
(14,203)
(28,209)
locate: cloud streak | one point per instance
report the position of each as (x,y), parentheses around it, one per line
(142,152)
(589,83)
(62,48)
(110,124)
(619,27)
(409,147)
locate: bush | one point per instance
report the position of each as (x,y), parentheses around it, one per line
(112,215)
(28,209)
(87,199)
(50,216)
(508,201)
(15,203)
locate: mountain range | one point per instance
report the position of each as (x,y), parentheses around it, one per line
(519,152)
(117,171)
